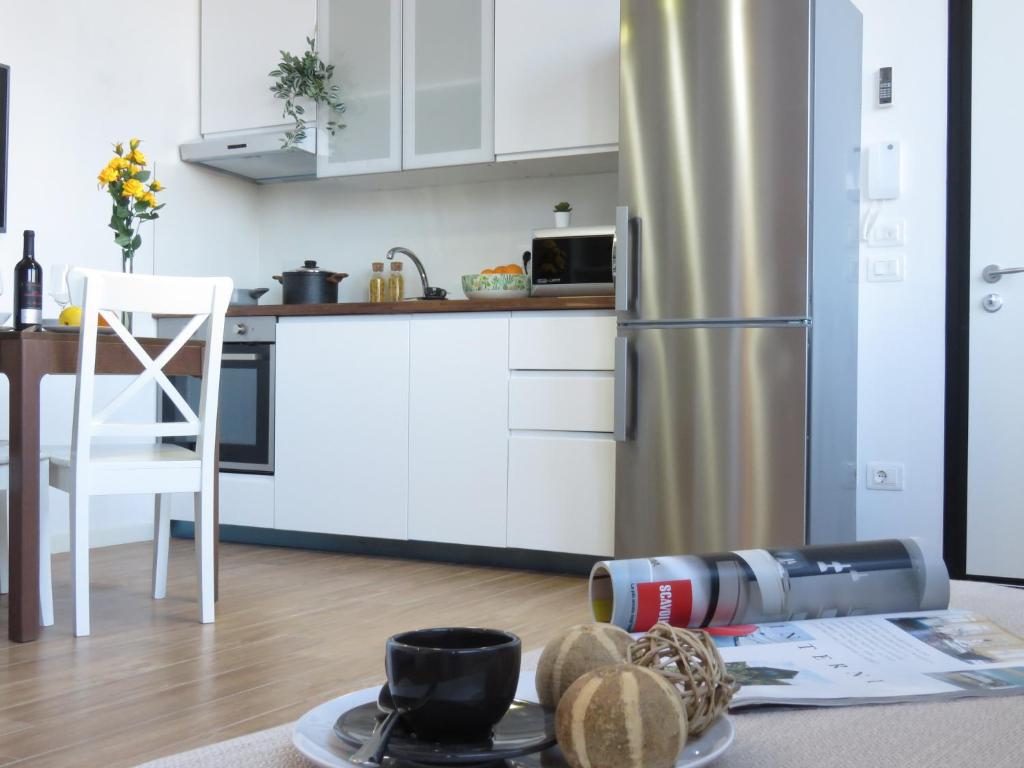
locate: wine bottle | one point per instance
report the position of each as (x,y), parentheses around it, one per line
(28,286)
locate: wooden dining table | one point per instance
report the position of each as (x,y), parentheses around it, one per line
(25,358)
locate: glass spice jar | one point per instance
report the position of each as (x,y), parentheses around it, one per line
(378,287)
(396,282)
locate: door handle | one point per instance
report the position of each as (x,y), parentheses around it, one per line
(621,264)
(627,257)
(993,273)
(623,393)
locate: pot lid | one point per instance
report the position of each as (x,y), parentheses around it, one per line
(308,266)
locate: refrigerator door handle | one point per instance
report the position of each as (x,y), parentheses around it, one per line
(623,386)
(624,259)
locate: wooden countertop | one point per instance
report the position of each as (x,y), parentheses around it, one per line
(424,307)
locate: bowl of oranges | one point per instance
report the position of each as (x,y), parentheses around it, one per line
(504,282)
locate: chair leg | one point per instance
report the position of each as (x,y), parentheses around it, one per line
(204,553)
(4,552)
(80,560)
(45,575)
(161,543)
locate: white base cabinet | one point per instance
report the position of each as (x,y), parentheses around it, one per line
(561,493)
(458,428)
(244,500)
(488,429)
(342,426)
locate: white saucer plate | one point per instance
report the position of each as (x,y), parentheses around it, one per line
(314,734)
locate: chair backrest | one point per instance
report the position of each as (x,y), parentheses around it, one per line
(106,294)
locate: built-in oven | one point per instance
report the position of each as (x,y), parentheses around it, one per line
(246,402)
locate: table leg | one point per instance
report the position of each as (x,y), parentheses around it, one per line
(23,608)
(216,516)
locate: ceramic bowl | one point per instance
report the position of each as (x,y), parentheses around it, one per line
(496,286)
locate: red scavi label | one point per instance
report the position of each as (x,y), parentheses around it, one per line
(663,601)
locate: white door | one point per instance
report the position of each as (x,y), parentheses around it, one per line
(995,476)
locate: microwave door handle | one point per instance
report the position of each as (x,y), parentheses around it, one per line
(241,357)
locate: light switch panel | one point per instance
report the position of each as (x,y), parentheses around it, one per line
(885,267)
(888,233)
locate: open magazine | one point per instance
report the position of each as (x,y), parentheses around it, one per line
(820,625)
(873,659)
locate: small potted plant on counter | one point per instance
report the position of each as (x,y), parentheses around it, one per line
(563,214)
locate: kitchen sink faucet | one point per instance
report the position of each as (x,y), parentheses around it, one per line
(429,291)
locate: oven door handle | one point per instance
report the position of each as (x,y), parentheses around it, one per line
(241,357)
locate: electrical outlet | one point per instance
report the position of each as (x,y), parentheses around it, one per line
(884,476)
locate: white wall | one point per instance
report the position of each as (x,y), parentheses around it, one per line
(455,230)
(77,86)
(902,324)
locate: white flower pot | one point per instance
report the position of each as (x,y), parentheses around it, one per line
(562,218)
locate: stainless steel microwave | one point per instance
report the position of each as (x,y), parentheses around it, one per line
(573,261)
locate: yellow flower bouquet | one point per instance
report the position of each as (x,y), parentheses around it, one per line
(134,201)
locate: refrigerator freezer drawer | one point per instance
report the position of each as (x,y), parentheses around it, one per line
(717,461)
(565,401)
(566,341)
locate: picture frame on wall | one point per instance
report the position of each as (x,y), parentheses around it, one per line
(5,101)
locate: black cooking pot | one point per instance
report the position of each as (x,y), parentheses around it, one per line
(310,285)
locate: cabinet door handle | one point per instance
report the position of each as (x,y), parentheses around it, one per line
(623,395)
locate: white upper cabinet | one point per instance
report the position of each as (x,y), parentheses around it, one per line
(556,86)
(448,88)
(363,40)
(242,41)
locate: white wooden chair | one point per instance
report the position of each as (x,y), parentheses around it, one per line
(45,585)
(94,469)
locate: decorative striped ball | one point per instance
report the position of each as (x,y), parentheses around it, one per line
(575,652)
(622,716)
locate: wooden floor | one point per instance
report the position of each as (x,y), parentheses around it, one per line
(293,628)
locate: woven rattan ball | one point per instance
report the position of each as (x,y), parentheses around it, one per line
(691,662)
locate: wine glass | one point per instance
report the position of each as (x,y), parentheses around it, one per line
(58,285)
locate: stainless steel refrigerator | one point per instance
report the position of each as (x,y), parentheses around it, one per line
(736,274)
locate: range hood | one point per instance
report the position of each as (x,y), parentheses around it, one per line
(257,156)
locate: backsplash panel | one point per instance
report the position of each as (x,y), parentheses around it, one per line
(454,229)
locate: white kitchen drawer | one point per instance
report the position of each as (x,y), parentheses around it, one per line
(567,341)
(566,401)
(244,500)
(562,493)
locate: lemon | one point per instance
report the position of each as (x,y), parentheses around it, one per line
(70,316)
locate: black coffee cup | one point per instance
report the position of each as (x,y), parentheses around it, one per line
(453,684)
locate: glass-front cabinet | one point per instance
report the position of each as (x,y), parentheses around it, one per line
(448,88)
(363,40)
